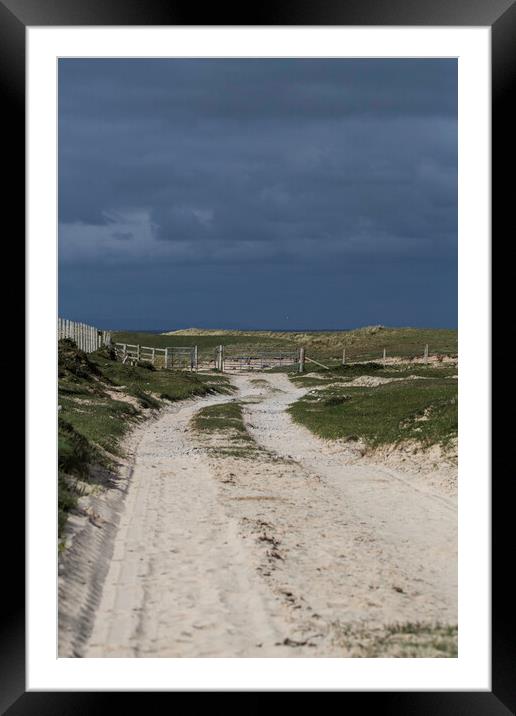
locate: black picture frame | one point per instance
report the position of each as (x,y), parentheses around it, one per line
(500,15)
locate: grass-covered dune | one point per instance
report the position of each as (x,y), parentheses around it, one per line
(418,404)
(101,399)
(361,344)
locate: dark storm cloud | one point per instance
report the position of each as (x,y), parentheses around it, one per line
(182,164)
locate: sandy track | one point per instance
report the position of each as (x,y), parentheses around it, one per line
(226,556)
(389,545)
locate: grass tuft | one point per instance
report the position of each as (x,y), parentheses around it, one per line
(409,640)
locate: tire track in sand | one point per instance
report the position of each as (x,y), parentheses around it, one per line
(222,556)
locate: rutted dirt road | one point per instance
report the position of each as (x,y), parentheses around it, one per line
(290,553)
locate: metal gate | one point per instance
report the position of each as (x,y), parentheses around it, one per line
(255,359)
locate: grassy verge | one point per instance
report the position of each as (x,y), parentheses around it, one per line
(406,409)
(315,375)
(100,399)
(400,641)
(225,432)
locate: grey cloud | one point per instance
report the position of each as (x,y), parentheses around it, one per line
(258,162)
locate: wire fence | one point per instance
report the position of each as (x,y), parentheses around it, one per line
(416,353)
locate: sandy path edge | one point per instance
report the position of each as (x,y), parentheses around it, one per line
(90,535)
(223,556)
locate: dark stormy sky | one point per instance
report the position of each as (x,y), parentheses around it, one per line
(258,193)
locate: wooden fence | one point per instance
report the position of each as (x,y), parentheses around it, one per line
(171,358)
(87,338)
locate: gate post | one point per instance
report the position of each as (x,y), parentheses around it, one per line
(301,360)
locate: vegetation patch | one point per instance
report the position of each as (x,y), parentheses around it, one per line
(92,421)
(410,640)
(336,400)
(421,410)
(361,343)
(221,417)
(225,433)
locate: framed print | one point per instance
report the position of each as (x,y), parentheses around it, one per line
(258,181)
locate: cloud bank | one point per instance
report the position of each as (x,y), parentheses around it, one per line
(272,168)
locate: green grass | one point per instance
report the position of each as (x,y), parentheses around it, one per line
(225,424)
(314,375)
(94,417)
(410,640)
(361,344)
(222,417)
(422,410)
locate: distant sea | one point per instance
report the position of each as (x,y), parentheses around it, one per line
(283,330)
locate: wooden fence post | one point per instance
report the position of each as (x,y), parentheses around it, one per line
(343,356)
(425,355)
(301,360)
(166,357)
(384,354)
(196,358)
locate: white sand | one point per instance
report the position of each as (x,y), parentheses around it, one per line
(226,556)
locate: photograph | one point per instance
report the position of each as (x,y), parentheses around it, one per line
(257,343)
